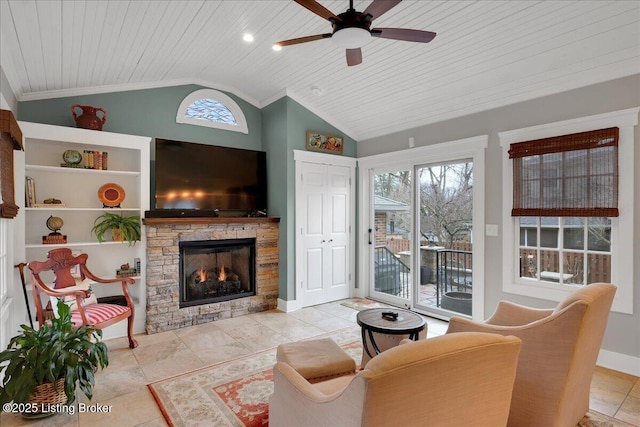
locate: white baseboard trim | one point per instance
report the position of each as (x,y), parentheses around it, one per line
(287,306)
(619,362)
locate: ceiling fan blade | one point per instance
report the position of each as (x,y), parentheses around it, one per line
(318,9)
(403,34)
(379,7)
(354,57)
(303,39)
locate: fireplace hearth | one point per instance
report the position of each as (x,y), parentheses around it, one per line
(216,270)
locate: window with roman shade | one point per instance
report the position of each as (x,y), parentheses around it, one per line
(10,139)
(572,175)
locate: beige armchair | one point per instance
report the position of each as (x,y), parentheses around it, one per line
(452,380)
(558,357)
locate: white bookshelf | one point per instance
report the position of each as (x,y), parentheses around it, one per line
(77,188)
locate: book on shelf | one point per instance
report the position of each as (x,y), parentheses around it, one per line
(130,272)
(94,159)
(54,239)
(30,192)
(48,205)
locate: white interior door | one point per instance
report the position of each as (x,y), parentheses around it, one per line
(323,221)
(337,219)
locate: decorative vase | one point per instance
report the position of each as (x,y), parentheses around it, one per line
(89,118)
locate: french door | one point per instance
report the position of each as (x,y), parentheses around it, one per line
(422,243)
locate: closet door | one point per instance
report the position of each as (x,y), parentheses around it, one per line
(323,221)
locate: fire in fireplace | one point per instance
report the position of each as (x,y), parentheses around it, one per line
(216,270)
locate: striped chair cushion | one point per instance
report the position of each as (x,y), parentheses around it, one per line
(97,313)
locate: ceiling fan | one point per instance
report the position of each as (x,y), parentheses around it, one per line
(352,29)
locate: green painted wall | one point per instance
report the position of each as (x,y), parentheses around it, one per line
(278,129)
(274,125)
(285,123)
(147,112)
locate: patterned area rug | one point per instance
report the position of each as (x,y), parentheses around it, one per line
(236,392)
(362,304)
(232,393)
(596,419)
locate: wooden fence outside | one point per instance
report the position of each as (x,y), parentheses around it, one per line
(599,265)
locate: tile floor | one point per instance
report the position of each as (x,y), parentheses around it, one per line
(122,386)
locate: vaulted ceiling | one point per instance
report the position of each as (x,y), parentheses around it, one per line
(486,53)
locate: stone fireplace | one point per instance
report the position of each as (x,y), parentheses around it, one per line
(230,269)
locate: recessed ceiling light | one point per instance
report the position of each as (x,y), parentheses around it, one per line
(247,37)
(276,47)
(317,91)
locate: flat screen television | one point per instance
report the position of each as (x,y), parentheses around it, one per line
(201,179)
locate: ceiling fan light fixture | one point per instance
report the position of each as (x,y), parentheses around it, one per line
(351,37)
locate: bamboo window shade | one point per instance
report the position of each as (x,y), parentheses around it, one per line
(10,139)
(568,175)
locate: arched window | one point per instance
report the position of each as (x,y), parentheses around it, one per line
(212,108)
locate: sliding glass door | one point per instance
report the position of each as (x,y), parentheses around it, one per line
(422,242)
(444,222)
(421,217)
(391,236)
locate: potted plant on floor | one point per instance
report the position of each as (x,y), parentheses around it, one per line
(128,227)
(44,366)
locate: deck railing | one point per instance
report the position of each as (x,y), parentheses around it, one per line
(454,273)
(392,276)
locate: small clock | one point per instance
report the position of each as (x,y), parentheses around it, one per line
(72,157)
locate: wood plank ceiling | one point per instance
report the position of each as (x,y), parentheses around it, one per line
(486,54)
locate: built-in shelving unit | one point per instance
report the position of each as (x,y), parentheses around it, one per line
(77,188)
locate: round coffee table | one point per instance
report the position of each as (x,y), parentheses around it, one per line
(371,320)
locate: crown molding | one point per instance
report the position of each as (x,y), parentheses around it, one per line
(125,87)
(93,90)
(273,98)
(323,115)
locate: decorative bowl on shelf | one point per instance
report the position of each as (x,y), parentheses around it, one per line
(111,195)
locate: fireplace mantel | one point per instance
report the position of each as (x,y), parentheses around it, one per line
(211,220)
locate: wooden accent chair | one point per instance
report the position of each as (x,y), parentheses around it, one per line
(451,380)
(559,351)
(61,262)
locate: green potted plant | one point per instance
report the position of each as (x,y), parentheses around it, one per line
(128,227)
(45,366)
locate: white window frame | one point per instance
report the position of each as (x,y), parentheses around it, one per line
(6,271)
(621,227)
(4,260)
(241,121)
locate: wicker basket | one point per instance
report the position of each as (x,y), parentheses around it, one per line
(49,393)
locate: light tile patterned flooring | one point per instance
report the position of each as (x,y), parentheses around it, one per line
(122,386)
